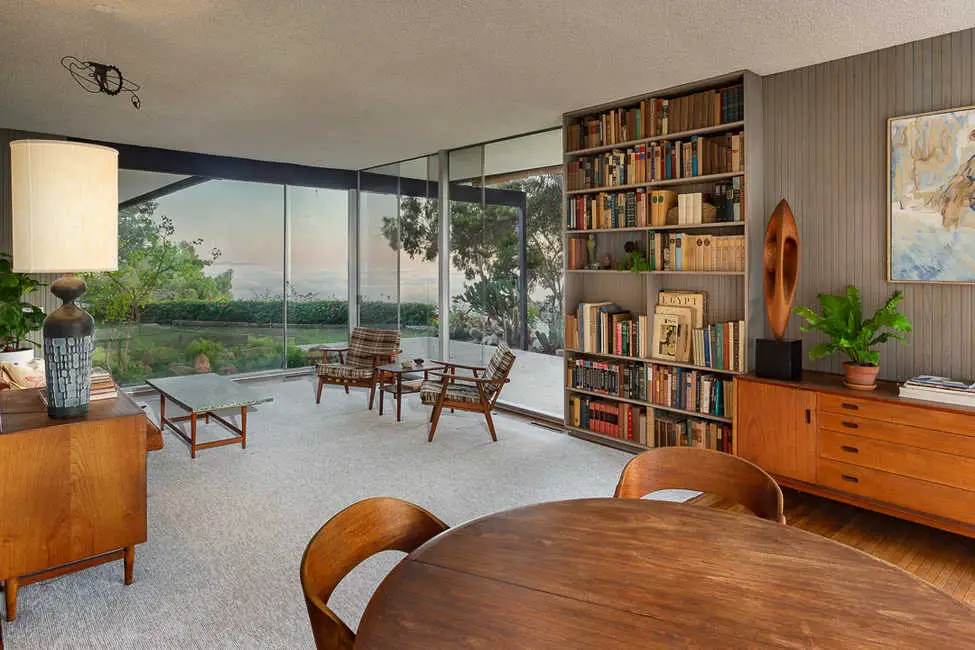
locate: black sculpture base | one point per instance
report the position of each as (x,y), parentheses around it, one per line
(778,359)
(69,340)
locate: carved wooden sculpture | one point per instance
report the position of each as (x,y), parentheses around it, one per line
(781,264)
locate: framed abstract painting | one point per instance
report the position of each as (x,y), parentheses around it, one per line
(931,197)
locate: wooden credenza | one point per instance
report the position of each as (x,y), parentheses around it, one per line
(72,492)
(907,458)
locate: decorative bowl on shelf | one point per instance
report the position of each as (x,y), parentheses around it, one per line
(418,361)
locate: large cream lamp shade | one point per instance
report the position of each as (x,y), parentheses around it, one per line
(65,206)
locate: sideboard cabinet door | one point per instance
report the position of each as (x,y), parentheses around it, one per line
(776,428)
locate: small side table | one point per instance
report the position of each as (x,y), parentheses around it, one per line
(397,386)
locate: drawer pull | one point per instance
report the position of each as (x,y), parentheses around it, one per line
(850,407)
(808,416)
(851,479)
(849,449)
(851,425)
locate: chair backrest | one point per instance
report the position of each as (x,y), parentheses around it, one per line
(499,365)
(356,533)
(703,470)
(365,343)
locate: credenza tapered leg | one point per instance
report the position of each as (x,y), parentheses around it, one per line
(10,598)
(129,563)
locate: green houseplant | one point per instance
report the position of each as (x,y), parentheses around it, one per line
(842,321)
(17,317)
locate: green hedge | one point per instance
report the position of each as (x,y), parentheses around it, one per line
(309,312)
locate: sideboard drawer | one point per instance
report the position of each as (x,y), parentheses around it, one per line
(932,466)
(948,443)
(928,417)
(921,496)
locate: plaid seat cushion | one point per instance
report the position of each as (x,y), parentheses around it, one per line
(340,371)
(366,343)
(461,392)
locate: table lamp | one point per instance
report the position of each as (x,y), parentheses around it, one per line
(64,198)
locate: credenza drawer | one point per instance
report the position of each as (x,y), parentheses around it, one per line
(932,466)
(922,496)
(928,417)
(948,443)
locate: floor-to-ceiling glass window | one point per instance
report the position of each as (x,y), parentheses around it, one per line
(378,247)
(317,273)
(199,286)
(399,252)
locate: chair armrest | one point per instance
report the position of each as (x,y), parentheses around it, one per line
(451,364)
(452,379)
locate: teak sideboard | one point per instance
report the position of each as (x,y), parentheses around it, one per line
(906,458)
(72,492)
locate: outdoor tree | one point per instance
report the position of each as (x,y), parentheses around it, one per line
(485,248)
(152,265)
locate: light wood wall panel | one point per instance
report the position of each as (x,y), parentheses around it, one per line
(825,151)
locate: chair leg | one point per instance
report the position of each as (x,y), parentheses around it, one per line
(346,389)
(434,419)
(372,395)
(490,423)
(318,393)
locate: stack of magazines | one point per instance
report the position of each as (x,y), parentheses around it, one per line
(939,389)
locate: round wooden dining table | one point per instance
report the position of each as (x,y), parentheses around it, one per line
(618,573)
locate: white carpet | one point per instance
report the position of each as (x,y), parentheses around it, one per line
(226,531)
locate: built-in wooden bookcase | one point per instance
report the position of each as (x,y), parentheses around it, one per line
(732,295)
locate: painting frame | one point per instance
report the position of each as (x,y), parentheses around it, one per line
(888,196)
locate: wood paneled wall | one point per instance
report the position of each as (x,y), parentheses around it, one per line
(825,151)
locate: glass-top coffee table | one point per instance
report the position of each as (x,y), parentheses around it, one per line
(392,380)
(204,395)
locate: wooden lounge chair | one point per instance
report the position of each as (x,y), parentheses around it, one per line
(476,392)
(703,470)
(353,535)
(368,348)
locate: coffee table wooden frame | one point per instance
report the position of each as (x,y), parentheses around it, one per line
(396,388)
(240,434)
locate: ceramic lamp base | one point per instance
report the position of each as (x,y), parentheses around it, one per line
(69,340)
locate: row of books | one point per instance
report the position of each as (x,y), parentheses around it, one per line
(690,390)
(102,386)
(696,252)
(627,380)
(939,389)
(641,208)
(606,328)
(657,117)
(641,425)
(664,160)
(720,346)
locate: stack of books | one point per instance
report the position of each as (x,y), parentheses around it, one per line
(102,386)
(939,389)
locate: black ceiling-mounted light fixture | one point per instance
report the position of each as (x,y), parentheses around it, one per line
(101,78)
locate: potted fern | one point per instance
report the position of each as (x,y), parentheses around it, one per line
(17,317)
(842,321)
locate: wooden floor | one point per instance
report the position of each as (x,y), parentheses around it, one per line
(945,560)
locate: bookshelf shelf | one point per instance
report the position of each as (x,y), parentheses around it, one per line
(687,180)
(720,128)
(659,362)
(684,226)
(703,416)
(732,299)
(603,439)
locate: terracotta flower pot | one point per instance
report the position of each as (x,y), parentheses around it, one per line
(860,377)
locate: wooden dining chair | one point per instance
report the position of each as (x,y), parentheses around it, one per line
(353,535)
(703,470)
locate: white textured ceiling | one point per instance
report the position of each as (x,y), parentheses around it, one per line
(350,83)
